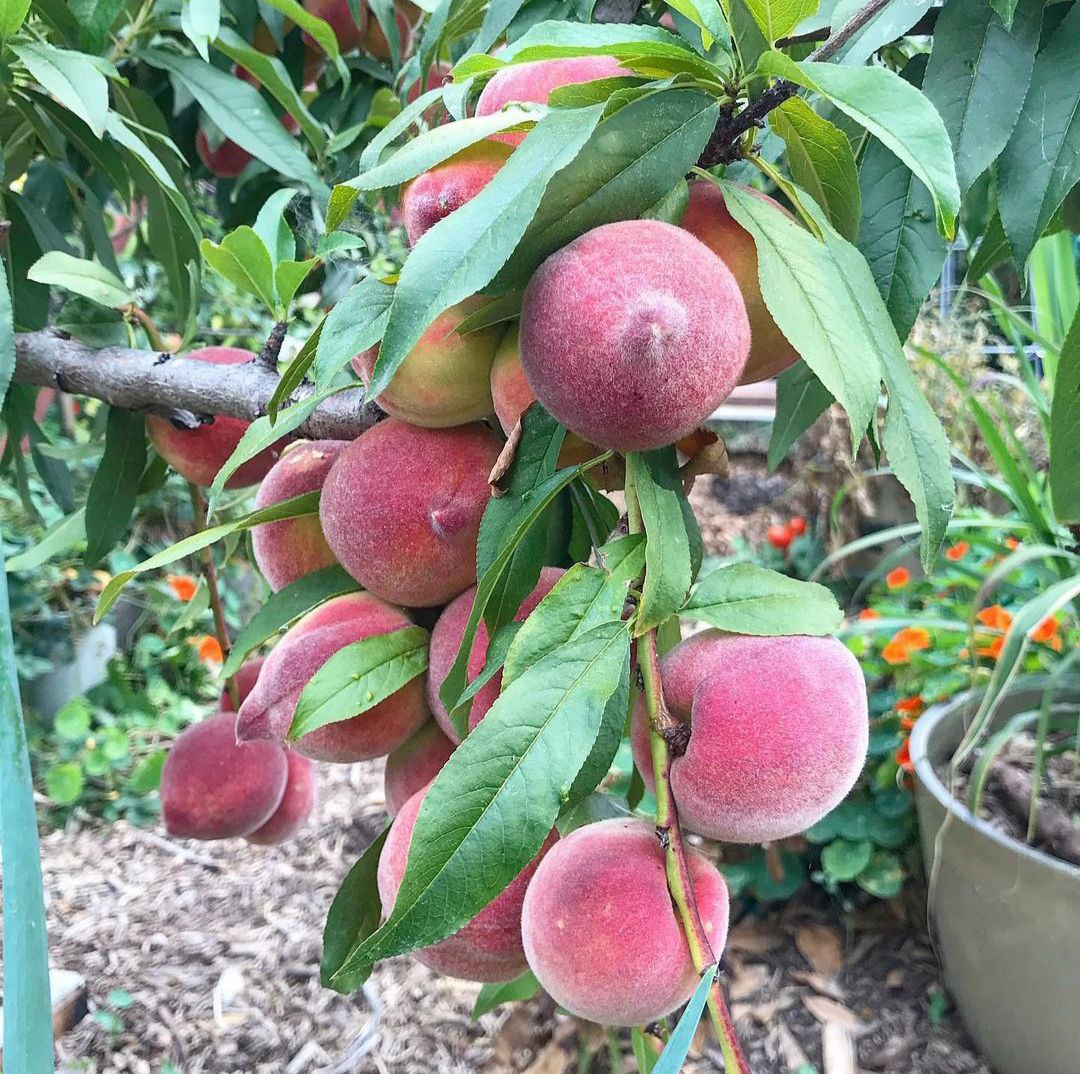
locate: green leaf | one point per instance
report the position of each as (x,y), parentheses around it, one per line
(288,276)
(1041,162)
(307,504)
(843,860)
(630,163)
(353,916)
(200,20)
(708,17)
(316,27)
(800,400)
(883,877)
(893,21)
(12,14)
(373,150)
(146,775)
(285,607)
(72,722)
(336,242)
(1006,9)
(438,144)
(59,537)
(115,485)
(95,18)
(496,799)
(64,783)
(585,597)
(893,111)
(86,278)
(821,161)
(356,678)
(272,227)
(743,598)
(356,323)
(461,253)
(239,112)
(525,986)
(806,290)
(777,18)
(243,259)
(655,479)
(678,1046)
(1065,429)
(974,56)
(646,1050)
(73,78)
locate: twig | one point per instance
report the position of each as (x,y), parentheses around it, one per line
(724,145)
(271,349)
(922,28)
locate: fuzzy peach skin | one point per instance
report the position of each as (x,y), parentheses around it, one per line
(708,219)
(198,454)
(445,379)
(436,193)
(401,509)
(599,928)
(374,41)
(535,82)
(246,677)
(487,948)
(293,547)
(446,640)
(296,803)
(633,334)
(269,708)
(778,736)
(215,788)
(414,764)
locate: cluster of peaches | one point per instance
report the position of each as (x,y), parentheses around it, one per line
(629,336)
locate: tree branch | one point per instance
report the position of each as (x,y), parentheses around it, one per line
(723,146)
(187,392)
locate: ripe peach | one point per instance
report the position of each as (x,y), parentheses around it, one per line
(374,41)
(487,948)
(446,640)
(778,732)
(215,788)
(599,928)
(414,764)
(198,454)
(348,32)
(708,219)
(293,547)
(401,509)
(438,76)
(269,708)
(296,803)
(246,678)
(633,334)
(227,161)
(446,378)
(535,82)
(430,197)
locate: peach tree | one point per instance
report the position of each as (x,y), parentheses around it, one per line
(472,510)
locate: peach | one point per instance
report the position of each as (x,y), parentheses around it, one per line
(198,454)
(293,547)
(414,764)
(446,378)
(374,41)
(348,32)
(227,161)
(246,677)
(446,640)
(213,787)
(535,82)
(633,334)
(708,219)
(599,928)
(401,509)
(296,803)
(487,948)
(268,710)
(438,76)
(778,732)
(435,194)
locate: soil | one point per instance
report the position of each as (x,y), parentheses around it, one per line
(218,946)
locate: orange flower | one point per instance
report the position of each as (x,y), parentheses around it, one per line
(993,650)
(1045,630)
(1012,544)
(183,585)
(869,613)
(910,704)
(914,637)
(896,652)
(908,722)
(956,552)
(995,617)
(903,756)
(797,525)
(898,577)
(209,649)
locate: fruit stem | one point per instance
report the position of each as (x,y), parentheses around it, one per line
(221,628)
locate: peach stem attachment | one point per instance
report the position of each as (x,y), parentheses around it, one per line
(221,628)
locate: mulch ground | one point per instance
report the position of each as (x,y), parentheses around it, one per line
(218,945)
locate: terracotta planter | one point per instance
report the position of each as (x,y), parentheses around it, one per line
(1005,917)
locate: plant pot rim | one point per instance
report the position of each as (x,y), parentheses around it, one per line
(924,770)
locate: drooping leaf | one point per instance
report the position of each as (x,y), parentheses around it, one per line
(1065,430)
(272,227)
(86,278)
(59,537)
(744,598)
(525,986)
(71,77)
(674,1054)
(115,486)
(355,323)
(200,20)
(800,400)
